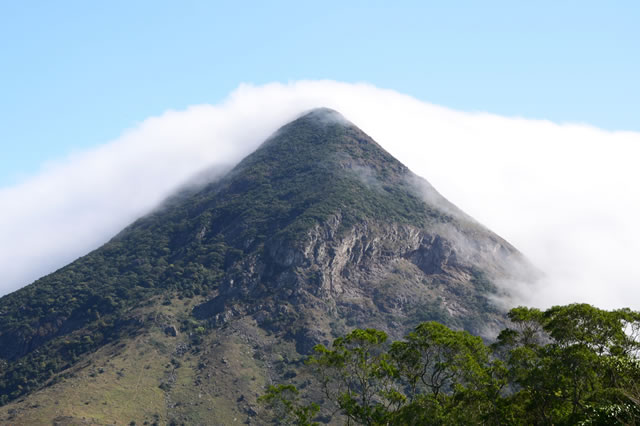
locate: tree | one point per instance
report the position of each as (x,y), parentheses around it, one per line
(283,402)
(356,376)
(570,363)
(446,373)
(573,364)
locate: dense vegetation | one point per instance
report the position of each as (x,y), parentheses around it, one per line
(47,326)
(572,364)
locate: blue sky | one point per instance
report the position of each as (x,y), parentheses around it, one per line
(76,74)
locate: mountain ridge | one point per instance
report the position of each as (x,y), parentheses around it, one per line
(318,230)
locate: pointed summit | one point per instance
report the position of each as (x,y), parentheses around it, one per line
(321,136)
(324,114)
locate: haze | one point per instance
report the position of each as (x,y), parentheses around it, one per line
(564,194)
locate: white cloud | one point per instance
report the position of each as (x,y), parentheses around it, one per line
(564,194)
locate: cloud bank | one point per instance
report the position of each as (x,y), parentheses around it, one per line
(564,194)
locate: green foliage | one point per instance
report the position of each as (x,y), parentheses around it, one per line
(433,358)
(573,364)
(285,408)
(357,376)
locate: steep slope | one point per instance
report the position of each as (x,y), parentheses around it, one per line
(318,231)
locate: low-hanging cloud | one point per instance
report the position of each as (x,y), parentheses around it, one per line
(564,194)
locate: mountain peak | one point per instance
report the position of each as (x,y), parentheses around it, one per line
(318,231)
(322,137)
(324,115)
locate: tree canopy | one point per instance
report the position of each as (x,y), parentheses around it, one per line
(573,364)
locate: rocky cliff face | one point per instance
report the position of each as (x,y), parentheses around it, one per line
(375,274)
(395,254)
(317,232)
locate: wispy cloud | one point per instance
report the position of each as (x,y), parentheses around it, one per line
(562,193)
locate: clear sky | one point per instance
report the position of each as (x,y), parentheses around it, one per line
(74,74)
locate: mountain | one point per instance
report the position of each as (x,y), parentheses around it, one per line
(188,313)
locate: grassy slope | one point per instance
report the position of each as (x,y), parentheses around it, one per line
(154,377)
